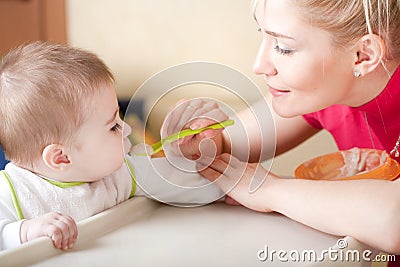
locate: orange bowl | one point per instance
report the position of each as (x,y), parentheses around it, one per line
(356,163)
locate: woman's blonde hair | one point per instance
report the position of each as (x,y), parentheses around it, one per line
(45,93)
(348,20)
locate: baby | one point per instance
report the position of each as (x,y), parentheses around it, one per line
(60,128)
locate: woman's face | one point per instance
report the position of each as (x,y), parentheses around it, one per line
(302,68)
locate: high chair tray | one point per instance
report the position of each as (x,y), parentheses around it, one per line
(142,232)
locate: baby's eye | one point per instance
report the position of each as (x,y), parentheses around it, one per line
(116,128)
(282,50)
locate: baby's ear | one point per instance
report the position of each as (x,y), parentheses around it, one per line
(55,157)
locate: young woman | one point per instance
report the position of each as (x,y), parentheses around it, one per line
(328,65)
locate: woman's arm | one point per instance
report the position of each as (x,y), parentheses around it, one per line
(254,139)
(368,210)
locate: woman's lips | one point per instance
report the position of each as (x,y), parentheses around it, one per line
(276,92)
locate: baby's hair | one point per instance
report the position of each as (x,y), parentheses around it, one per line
(348,20)
(45,92)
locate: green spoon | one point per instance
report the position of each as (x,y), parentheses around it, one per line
(157,147)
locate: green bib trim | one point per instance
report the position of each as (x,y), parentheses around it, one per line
(15,199)
(132,173)
(14,196)
(63,184)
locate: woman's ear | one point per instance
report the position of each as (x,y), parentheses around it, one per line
(55,157)
(369,53)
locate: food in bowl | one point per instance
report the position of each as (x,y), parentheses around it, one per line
(356,163)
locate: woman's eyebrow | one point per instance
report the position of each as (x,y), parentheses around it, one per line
(274,34)
(278,35)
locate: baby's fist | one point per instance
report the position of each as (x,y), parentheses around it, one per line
(60,228)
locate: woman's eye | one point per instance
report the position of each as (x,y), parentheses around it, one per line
(282,50)
(116,128)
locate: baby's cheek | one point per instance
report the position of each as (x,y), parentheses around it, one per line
(117,162)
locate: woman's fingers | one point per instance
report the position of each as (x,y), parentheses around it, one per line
(193,114)
(192,108)
(173,117)
(180,115)
(209,113)
(232,202)
(225,170)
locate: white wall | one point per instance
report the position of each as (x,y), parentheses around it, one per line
(139,38)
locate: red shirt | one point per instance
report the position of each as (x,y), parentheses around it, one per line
(375,124)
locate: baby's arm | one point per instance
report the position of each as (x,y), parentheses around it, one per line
(9,233)
(60,228)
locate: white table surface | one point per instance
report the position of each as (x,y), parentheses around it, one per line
(141,232)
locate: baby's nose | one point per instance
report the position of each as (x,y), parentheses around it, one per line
(126,130)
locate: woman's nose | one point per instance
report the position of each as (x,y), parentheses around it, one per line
(263,63)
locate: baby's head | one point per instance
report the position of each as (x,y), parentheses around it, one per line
(52,98)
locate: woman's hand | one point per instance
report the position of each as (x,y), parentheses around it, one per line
(193,114)
(60,228)
(247,183)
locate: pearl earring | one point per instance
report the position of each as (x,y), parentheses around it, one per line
(356,73)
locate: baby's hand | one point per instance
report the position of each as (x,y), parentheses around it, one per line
(60,228)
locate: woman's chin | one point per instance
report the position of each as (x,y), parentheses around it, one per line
(284,112)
